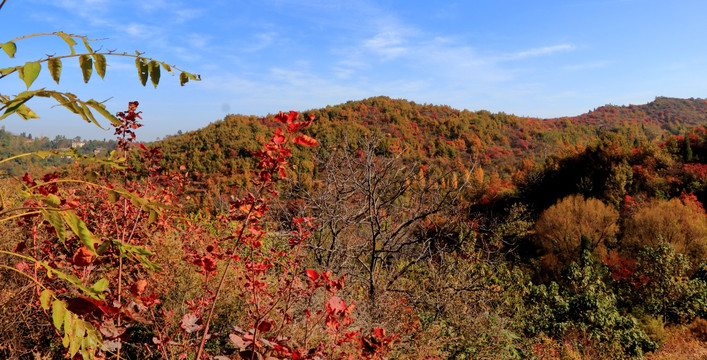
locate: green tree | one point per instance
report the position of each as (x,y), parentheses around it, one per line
(663,285)
(585,305)
(688,149)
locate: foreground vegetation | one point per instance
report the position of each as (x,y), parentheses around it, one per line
(359,250)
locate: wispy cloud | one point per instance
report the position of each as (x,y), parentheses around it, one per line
(540,51)
(389,44)
(586,66)
(140,30)
(185,14)
(259,42)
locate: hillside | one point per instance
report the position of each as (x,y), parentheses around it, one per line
(499,142)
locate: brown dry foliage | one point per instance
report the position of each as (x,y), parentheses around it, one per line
(561,227)
(681,224)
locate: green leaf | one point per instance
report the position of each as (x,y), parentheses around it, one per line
(183,78)
(100,285)
(15,104)
(103,247)
(52,200)
(72,279)
(113,196)
(69,40)
(100,64)
(102,110)
(43,154)
(66,102)
(87,114)
(154,68)
(142,70)
(45,297)
(79,228)
(139,253)
(152,217)
(79,330)
(10,70)
(91,341)
(26,113)
(58,313)
(87,45)
(10,48)
(30,72)
(54,65)
(66,340)
(86,67)
(54,219)
(92,176)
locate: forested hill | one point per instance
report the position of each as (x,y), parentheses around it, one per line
(671,114)
(501,143)
(12,145)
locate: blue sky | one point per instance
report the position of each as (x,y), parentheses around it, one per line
(529,58)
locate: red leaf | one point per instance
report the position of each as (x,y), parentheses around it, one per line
(292,116)
(209,264)
(83,257)
(295,126)
(264,326)
(20,247)
(138,287)
(281,117)
(22,266)
(336,304)
(238,341)
(81,306)
(286,118)
(191,323)
(305,140)
(312,275)
(278,138)
(28,179)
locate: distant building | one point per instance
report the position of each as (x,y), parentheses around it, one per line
(77,144)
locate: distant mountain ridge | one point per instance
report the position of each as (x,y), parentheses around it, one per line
(436,133)
(663,110)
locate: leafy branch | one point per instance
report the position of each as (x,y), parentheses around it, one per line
(88,61)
